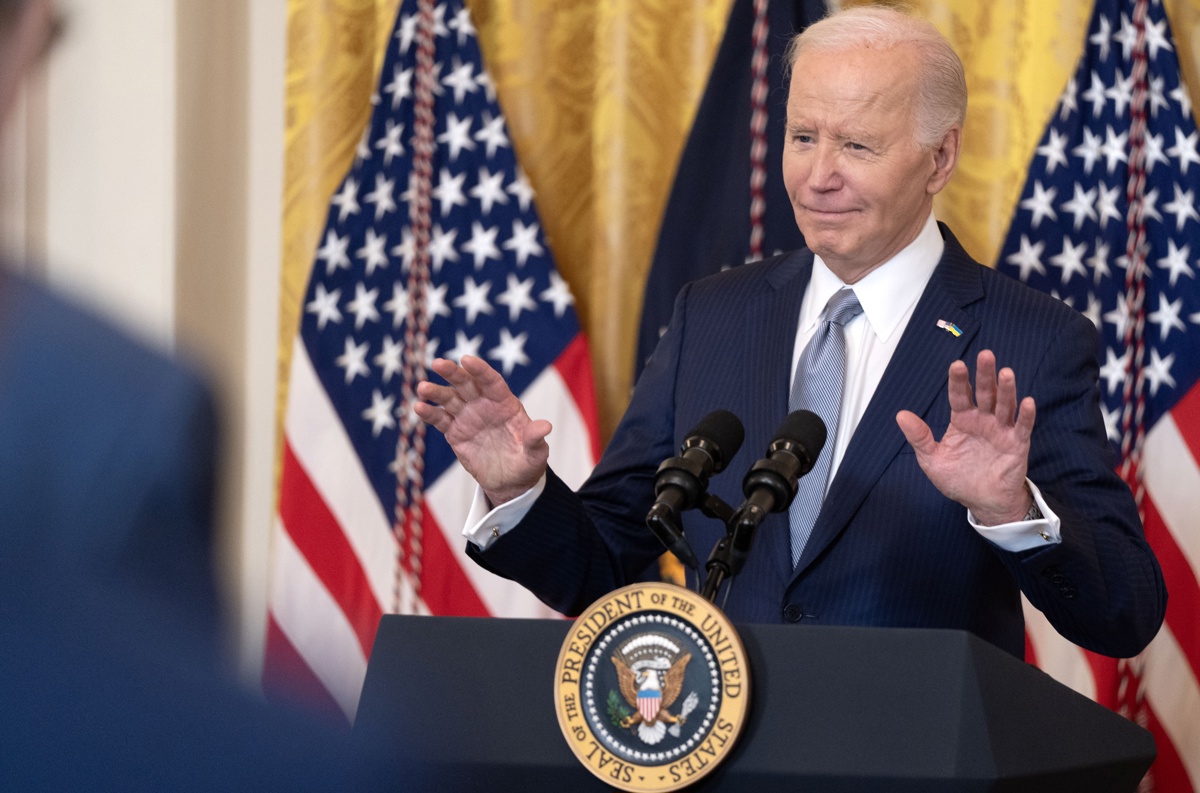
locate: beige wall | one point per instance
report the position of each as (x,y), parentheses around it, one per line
(109,159)
(145,171)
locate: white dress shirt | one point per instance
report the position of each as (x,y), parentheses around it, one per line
(888,295)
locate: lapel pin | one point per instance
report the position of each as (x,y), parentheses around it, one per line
(950,328)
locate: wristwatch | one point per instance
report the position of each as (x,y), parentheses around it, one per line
(1034,513)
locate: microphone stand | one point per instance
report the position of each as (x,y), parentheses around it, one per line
(769,482)
(721,564)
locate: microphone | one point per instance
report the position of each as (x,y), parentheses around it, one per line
(770,484)
(682,482)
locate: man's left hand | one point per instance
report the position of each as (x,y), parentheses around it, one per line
(982,459)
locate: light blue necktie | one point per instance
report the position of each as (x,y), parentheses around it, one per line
(818,387)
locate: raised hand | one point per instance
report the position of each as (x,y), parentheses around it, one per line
(487,427)
(981,460)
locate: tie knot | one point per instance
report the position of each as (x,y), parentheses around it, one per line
(842,307)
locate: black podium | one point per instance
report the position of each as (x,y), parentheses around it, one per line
(469,702)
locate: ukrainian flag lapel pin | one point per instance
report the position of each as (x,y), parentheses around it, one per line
(950,328)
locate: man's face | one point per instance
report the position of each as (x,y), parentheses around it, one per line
(860,188)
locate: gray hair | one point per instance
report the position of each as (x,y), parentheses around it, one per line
(942,93)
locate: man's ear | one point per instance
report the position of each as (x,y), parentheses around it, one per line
(945,158)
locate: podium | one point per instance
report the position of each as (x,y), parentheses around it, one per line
(469,704)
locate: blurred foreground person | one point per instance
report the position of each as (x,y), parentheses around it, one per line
(109,673)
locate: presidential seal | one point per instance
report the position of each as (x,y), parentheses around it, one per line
(652,688)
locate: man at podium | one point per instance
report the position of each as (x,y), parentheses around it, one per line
(934,503)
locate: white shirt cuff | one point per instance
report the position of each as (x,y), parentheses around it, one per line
(485,525)
(1023,535)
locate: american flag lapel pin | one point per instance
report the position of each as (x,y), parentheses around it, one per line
(950,328)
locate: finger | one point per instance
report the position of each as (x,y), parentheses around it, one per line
(985,382)
(433,416)
(1025,419)
(489,382)
(917,432)
(458,377)
(959,388)
(441,395)
(444,367)
(1006,397)
(534,435)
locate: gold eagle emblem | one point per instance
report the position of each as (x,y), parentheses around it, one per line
(670,685)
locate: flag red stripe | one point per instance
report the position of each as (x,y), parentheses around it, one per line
(1167,773)
(319,538)
(1186,414)
(574,365)
(1106,678)
(1183,591)
(445,588)
(287,677)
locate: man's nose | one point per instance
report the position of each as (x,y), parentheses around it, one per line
(823,173)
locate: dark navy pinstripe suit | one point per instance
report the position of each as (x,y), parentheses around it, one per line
(888,549)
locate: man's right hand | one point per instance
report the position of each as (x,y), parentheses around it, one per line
(487,427)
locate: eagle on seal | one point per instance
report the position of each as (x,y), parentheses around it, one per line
(650,686)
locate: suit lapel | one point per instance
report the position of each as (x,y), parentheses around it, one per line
(771,324)
(914,377)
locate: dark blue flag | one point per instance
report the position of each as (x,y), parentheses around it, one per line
(707,224)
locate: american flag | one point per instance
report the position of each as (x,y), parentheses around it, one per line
(432,247)
(1108,223)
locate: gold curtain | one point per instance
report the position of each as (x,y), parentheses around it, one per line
(599,98)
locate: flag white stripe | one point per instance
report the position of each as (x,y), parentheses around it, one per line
(1174,696)
(1056,656)
(1172,479)
(314,624)
(320,443)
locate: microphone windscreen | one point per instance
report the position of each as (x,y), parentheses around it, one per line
(723,430)
(805,428)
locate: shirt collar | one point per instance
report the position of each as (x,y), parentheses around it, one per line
(888,292)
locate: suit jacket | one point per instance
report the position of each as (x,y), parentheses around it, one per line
(108,452)
(108,613)
(887,549)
